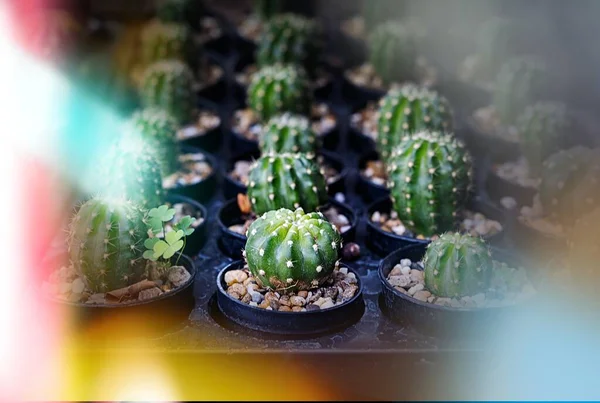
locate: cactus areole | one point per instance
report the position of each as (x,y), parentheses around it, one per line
(292,250)
(457,265)
(106,242)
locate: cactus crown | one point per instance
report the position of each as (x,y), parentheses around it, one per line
(410,109)
(162,41)
(570,184)
(169,84)
(290,39)
(279,88)
(518,84)
(290,250)
(106,238)
(540,129)
(288,133)
(158,130)
(286,181)
(457,265)
(393,52)
(429,177)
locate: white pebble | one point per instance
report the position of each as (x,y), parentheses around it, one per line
(235,276)
(422,295)
(344,270)
(405,270)
(396,271)
(416,288)
(78,286)
(345,228)
(252,303)
(479,298)
(399,281)
(405,262)
(376,217)
(327,304)
(399,229)
(508,203)
(340,197)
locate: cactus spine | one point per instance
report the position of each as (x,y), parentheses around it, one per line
(409,109)
(429,177)
(106,242)
(540,128)
(289,250)
(393,52)
(286,181)
(169,84)
(457,265)
(279,88)
(163,41)
(288,133)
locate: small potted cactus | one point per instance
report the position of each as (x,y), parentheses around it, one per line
(452,285)
(430,181)
(275,90)
(291,280)
(276,181)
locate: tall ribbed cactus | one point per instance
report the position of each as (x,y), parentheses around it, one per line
(129,172)
(288,133)
(540,128)
(291,250)
(457,265)
(161,41)
(393,52)
(158,130)
(290,39)
(286,181)
(409,109)
(169,84)
(429,176)
(279,88)
(106,242)
(570,184)
(519,83)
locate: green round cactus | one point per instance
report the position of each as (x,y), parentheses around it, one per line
(279,88)
(570,183)
(518,84)
(130,173)
(106,242)
(410,109)
(540,128)
(162,41)
(289,250)
(393,52)
(457,265)
(158,130)
(169,84)
(288,133)
(290,39)
(429,177)
(286,181)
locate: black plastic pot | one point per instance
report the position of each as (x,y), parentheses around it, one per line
(214,95)
(433,319)
(384,243)
(288,323)
(203,190)
(197,239)
(210,141)
(367,189)
(496,188)
(231,243)
(231,187)
(495,147)
(529,241)
(464,96)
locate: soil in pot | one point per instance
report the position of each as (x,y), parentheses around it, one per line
(510,183)
(364,121)
(533,217)
(487,125)
(244,76)
(195,168)
(205,122)
(365,75)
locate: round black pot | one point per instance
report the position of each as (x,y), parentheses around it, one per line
(197,239)
(495,147)
(210,141)
(433,319)
(368,190)
(529,241)
(384,243)
(215,95)
(203,190)
(231,243)
(464,96)
(288,323)
(496,188)
(231,188)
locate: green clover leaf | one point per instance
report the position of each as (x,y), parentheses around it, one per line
(149,244)
(169,246)
(164,213)
(185,225)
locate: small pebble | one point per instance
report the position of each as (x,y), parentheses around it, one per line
(399,281)
(405,262)
(297,309)
(78,286)
(285,300)
(246,299)
(149,294)
(274,304)
(257,297)
(396,271)
(405,270)
(327,304)
(344,270)
(422,295)
(234,294)
(235,276)
(178,275)
(297,300)
(303,294)
(238,289)
(417,276)
(320,301)
(312,307)
(252,303)
(416,288)
(284,308)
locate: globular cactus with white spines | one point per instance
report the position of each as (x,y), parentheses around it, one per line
(169,84)
(106,242)
(290,250)
(410,109)
(288,133)
(570,183)
(457,265)
(290,39)
(519,83)
(286,181)
(158,130)
(393,52)
(162,41)
(540,129)
(277,89)
(430,181)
